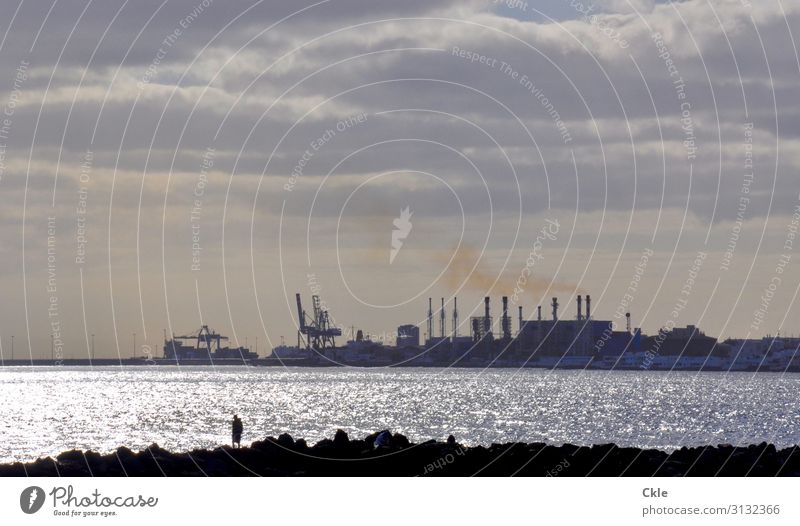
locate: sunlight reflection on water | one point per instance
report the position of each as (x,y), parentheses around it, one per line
(49,410)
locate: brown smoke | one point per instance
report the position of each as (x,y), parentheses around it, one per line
(469,270)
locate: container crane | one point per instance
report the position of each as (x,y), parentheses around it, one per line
(318,331)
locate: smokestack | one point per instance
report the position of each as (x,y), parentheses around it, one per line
(455,317)
(430,318)
(442,321)
(539,313)
(487,322)
(520,318)
(506,320)
(580,308)
(628,321)
(588,306)
(555,309)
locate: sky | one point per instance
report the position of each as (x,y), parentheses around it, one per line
(168,164)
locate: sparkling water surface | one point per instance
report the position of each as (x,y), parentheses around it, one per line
(47,410)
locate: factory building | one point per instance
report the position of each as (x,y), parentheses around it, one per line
(558,337)
(408,336)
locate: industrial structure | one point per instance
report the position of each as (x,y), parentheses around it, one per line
(204,345)
(408,336)
(316,331)
(562,341)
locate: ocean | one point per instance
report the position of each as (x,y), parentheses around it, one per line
(47,410)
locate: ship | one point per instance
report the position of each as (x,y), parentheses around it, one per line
(203,347)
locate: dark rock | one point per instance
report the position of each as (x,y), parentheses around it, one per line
(286,440)
(261,444)
(70,456)
(400,441)
(324,445)
(340,439)
(395,455)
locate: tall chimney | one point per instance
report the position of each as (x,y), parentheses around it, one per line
(555,309)
(520,318)
(455,317)
(506,320)
(580,308)
(628,321)
(588,306)
(539,313)
(430,318)
(487,322)
(442,319)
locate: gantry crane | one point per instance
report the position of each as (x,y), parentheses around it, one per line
(318,331)
(205,340)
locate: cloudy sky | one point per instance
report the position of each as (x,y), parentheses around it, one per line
(169,163)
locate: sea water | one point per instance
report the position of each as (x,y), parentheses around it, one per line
(47,410)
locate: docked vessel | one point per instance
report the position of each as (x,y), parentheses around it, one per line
(205,346)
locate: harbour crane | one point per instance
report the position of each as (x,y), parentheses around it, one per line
(318,331)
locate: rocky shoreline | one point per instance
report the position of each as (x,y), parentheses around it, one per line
(396,456)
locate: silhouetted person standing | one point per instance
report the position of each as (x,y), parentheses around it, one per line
(236,432)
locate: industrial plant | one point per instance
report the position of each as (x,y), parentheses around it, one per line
(567,342)
(553,341)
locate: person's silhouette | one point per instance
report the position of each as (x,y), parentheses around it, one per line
(236,432)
